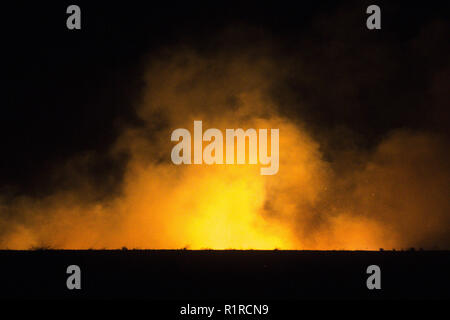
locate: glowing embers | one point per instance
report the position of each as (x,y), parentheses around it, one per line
(213,152)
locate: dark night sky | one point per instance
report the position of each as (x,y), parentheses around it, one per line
(69,92)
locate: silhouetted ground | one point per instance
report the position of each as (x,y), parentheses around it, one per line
(230,274)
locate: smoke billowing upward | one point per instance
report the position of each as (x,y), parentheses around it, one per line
(359,169)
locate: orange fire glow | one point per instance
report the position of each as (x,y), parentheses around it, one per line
(306,205)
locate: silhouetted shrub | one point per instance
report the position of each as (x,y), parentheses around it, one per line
(41,248)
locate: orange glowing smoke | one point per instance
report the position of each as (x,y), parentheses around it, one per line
(306,205)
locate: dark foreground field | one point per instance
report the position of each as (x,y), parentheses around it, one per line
(212,275)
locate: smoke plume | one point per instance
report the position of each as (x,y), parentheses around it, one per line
(392,194)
